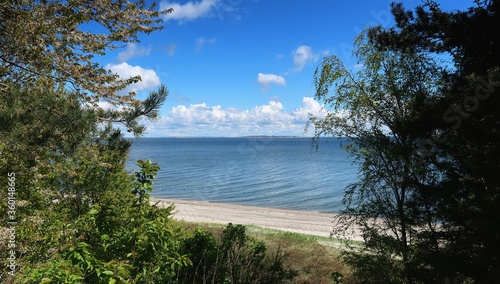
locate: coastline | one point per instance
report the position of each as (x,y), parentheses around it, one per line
(302,222)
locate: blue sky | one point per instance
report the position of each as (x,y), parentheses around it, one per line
(245,67)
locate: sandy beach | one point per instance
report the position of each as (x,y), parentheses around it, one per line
(303,222)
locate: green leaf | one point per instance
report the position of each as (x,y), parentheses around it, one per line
(82,245)
(108,272)
(93,212)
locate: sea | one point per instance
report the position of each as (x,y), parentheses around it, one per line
(287,173)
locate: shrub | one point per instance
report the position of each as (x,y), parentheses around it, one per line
(235,258)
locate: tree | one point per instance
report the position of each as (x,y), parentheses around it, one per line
(45,44)
(375,108)
(53,136)
(466,116)
(66,159)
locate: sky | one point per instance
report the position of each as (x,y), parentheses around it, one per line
(245,67)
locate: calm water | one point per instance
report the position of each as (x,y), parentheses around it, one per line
(269,172)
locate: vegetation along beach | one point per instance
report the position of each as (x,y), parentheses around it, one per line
(231,141)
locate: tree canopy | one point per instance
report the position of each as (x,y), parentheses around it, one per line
(52,44)
(467,117)
(375,108)
(432,157)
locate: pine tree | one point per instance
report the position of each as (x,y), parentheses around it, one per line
(45,44)
(461,129)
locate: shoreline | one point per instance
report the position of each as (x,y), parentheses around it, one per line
(302,222)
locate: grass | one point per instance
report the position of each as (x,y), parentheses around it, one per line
(317,259)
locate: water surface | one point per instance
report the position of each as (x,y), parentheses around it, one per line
(269,172)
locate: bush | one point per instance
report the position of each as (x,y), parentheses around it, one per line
(235,258)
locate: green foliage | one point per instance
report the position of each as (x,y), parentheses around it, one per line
(375,108)
(202,249)
(81,217)
(46,45)
(294,238)
(236,258)
(425,135)
(129,115)
(461,128)
(375,268)
(115,241)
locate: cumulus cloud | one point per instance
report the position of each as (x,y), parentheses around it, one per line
(265,80)
(125,71)
(189,11)
(308,107)
(203,120)
(303,55)
(131,51)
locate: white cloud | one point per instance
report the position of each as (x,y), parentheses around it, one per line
(132,50)
(309,107)
(203,120)
(201,41)
(189,11)
(303,55)
(125,71)
(265,80)
(171,49)
(106,105)
(357,67)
